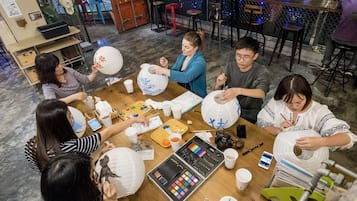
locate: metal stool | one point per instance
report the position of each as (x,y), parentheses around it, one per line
(171,7)
(194,13)
(298,35)
(332,72)
(156,15)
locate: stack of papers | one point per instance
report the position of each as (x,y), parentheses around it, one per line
(187,100)
(287,174)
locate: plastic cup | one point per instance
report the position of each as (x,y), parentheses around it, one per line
(175,141)
(129,86)
(132,134)
(176,111)
(106,120)
(243,178)
(166,108)
(89,101)
(230,158)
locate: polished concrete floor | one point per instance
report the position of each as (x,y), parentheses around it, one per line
(141,45)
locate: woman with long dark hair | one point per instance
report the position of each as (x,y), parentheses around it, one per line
(55,133)
(68,176)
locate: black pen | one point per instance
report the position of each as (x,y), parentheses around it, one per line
(251,149)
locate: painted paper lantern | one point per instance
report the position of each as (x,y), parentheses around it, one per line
(218,113)
(124,168)
(284,149)
(151,83)
(108,59)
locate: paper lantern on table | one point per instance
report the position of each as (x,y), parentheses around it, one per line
(218,113)
(284,148)
(109,60)
(151,83)
(124,168)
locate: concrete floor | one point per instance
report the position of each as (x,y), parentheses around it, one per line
(140,45)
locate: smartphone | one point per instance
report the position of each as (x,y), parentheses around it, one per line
(241,132)
(265,160)
(94,124)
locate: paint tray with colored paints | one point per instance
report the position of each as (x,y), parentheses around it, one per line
(161,134)
(136,109)
(182,173)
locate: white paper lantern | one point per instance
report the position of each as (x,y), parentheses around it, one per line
(151,83)
(309,160)
(109,59)
(218,113)
(124,168)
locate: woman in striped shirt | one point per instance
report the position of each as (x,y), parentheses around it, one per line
(55,133)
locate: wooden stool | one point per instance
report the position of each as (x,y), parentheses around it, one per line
(194,13)
(332,72)
(156,15)
(215,17)
(171,7)
(298,35)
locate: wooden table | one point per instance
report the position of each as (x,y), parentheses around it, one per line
(220,183)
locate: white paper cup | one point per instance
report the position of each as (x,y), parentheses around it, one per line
(230,158)
(176,111)
(166,108)
(243,177)
(129,85)
(227,198)
(175,141)
(132,134)
(106,120)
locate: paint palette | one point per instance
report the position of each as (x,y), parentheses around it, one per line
(161,134)
(179,175)
(136,109)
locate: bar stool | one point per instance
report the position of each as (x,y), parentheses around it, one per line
(156,15)
(256,21)
(194,13)
(298,34)
(215,17)
(332,72)
(171,7)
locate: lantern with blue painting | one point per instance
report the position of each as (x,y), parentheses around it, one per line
(219,113)
(151,83)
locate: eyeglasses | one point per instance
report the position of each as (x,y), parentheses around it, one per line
(243,57)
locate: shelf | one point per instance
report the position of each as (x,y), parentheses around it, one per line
(59,44)
(32,76)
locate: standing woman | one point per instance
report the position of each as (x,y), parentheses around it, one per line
(190,67)
(55,134)
(61,82)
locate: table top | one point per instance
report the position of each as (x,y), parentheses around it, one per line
(221,182)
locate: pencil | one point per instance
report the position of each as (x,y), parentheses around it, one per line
(251,149)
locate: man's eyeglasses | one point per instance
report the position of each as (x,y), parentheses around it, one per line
(243,57)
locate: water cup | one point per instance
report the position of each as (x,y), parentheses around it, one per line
(176,111)
(132,134)
(106,120)
(175,141)
(243,177)
(230,158)
(166,107)
(89,101)
(129,86)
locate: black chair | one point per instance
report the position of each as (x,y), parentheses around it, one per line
(156,15)
(194,17)
(337,70)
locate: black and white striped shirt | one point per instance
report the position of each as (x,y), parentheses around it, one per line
(84,145)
